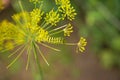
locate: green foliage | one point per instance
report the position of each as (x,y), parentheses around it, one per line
(115,44)
(107,58)
(103,28)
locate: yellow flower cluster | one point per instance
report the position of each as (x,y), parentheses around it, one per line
(81,44)
(52,18)
(68,30)
(36,27)
(7,34)
(36,15)
(66,9)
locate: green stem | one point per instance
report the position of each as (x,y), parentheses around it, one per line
(57,28)
(56,32)
(70,44)
(16,57)
(42,55)
(49,47)
(38,63)
(48,27)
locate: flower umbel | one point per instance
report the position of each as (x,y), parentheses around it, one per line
(81,44)
(35,28)
(6,35)
(68,30)
(52,18)
(66,9)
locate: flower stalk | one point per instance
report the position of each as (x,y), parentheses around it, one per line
(38,62)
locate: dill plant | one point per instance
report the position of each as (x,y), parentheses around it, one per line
(34,28)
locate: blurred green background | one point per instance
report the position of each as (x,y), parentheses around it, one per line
(99,22)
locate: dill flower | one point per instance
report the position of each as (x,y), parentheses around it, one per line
(81,44)
(68,30)
(7,33)
(32,29)
(52,18)
(66,9)
(36,16)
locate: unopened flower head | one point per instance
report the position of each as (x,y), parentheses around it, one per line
(38,28)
